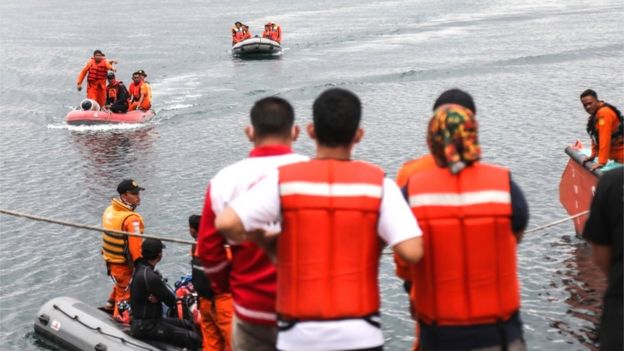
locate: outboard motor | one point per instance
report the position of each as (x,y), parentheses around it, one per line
(89,105)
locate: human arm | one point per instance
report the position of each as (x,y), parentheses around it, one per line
(82,75)
(211,248)
(252,211)
(519,211)
(398,226)
(158,288)
(133,225)
(604,121)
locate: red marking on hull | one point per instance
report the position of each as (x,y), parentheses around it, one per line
(576,191)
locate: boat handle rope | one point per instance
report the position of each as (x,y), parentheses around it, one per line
(98,229)
(93,228)
(99,330)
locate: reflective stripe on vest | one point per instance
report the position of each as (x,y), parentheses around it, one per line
(97,71)
(468,272)
(329,247)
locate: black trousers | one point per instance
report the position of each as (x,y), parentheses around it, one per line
(119,107)
(170,330)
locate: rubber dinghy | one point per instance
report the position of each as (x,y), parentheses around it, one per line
(578,183)
(257,47)
(74,325)
(81,117)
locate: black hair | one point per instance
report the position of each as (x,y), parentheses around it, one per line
(337,113)
(238,23)
(589,92)
(98,51)
(272,116)
(456,96)
(194,221)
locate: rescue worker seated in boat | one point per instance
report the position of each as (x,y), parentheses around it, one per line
(606,129)
(246,32)
(273,32)
(117,95)
(139,93)
(148,293)
(147,84)
(237,33)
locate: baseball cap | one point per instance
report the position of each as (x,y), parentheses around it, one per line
(110,74)
(456,96)
(151,248)
(141,73)
(128,185)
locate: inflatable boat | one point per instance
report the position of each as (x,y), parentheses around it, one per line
(74,325)
(257,47)
(81,117)
(578,183)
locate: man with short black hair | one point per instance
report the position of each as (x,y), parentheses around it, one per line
(120,251)
(149,292)
(335,212)
(605,128)
(249,274)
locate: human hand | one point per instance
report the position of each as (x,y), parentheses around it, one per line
(596,166)
(153,299)
(79,87)
(587,159)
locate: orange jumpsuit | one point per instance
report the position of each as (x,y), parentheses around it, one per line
(136,92)
(96,79)
(607,123)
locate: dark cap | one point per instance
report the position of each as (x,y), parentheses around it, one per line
(141,73)
(151,248)
(110,74)
(456,96)
(128,185)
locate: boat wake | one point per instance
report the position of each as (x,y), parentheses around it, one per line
(98,127)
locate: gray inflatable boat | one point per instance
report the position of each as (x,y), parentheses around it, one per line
(257,47)
(74,325)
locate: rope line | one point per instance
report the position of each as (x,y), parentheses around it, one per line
(180,241)
(93,228)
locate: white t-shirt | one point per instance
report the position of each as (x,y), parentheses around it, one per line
(261,205)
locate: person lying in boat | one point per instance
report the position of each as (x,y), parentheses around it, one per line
(606,129)
(272,31)
(148,293)
(117,95)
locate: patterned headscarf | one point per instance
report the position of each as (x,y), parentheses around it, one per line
(452,137)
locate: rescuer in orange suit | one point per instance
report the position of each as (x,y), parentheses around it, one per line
(272,31)
(246,33)
(605,127)
(121,251)
(472,215)
(95,70)
(216,310)
(237,33)
(140,93)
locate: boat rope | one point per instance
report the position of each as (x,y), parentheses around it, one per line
(563,220)
(93,228)
(179,241)
(99,330)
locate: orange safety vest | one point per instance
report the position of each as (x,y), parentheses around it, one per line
(237,34)
(468,272)
(328,250)
(135,90)
(97,71)
(115,246)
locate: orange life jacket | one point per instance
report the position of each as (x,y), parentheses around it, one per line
(328,250)
(97,71)
(135,90)
(468,272)
(115,246)
(237,34)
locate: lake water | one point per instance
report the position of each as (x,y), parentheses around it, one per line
(525,63)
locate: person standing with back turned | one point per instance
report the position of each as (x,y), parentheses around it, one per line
(335,212)
(120,252)
(605,231)
(465,293)
(249,274)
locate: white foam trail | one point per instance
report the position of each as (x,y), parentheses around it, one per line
(98,127)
